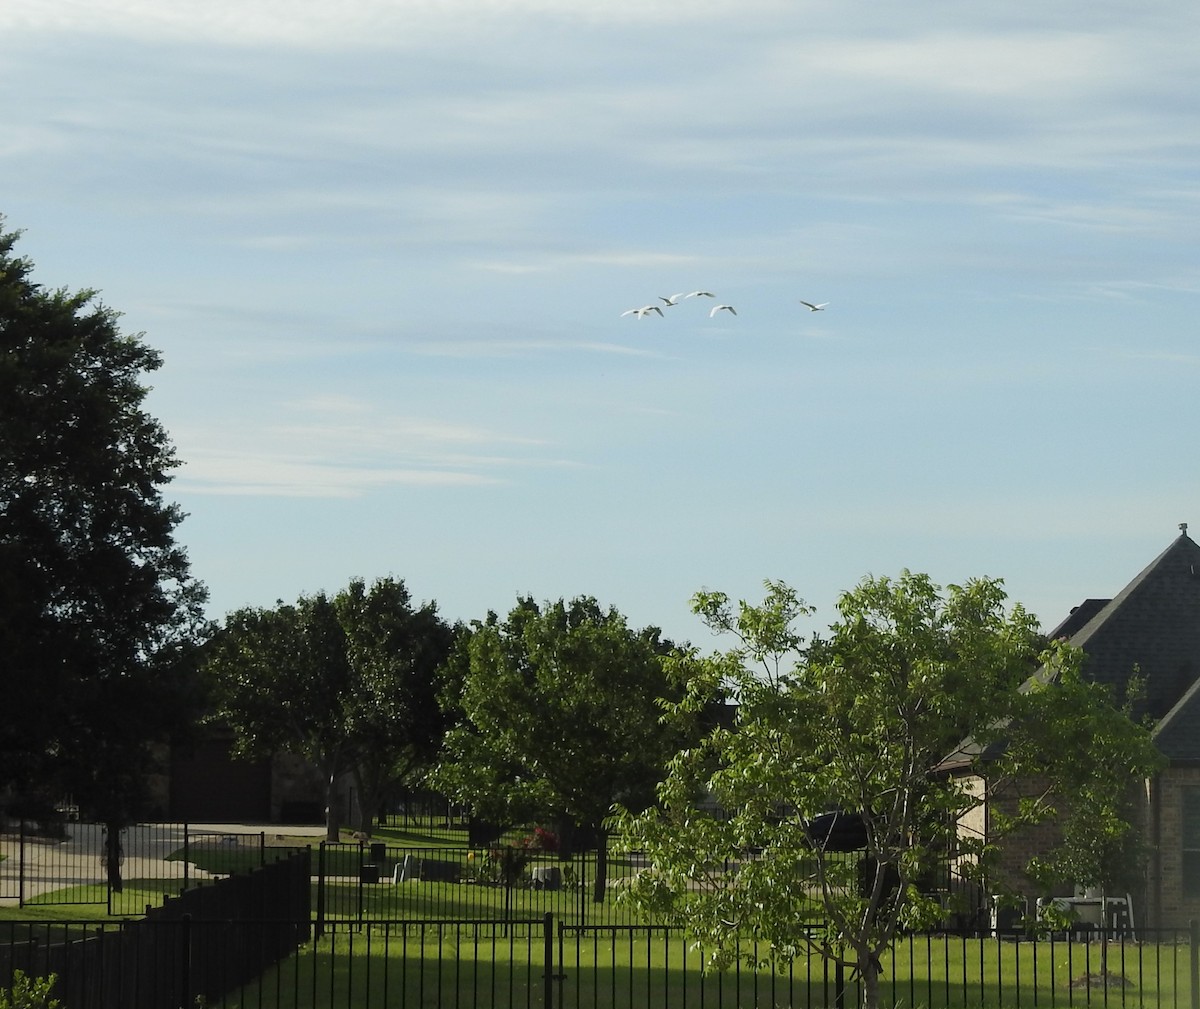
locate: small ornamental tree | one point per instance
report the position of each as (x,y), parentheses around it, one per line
(854,722)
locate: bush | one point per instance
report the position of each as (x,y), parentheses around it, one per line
(29,993)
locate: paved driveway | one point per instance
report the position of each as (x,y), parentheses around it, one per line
(78,860)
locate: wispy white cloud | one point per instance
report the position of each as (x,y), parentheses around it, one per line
(1096,215)
(320,23)
(338,445)
(1189,360)
(501,348)
(268,475)
(965,62)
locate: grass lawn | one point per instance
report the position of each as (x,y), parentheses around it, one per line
(366,959)
(417,900)
(421,836)
(445,966)
(91,901)
(58,912)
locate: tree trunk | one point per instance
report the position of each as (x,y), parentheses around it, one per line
(113,855)
(868,969)
(601,886)
(368,802)
(333,824)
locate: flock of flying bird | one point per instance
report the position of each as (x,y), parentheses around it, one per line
(674,299)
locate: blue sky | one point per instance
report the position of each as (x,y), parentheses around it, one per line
(385,247)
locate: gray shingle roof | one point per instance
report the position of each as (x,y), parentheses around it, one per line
(1152,626)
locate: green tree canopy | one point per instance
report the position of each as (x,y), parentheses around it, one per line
(559,716)
(855,721)
(347,682)
(97,602)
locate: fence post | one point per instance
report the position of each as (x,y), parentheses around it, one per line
(319,930)
(1194,929)
(21,864)
(360,880)
(185,962)
(187,855)
(548,959)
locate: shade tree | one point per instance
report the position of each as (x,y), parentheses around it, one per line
(345,681)
(556,711)
(98,606)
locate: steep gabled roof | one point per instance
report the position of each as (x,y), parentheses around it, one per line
(1151,627)
(1176,735)
(1078,618)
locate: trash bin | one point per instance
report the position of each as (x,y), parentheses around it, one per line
(379,853)
(368,872)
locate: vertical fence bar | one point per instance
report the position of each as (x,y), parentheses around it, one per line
(21,863)
(361,874)
(1194,930)
(185,960)
(548,959)
(319,928)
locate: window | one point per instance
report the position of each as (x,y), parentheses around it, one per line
(1190,841)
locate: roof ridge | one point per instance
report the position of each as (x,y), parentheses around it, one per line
(1164,723)
(1088,630)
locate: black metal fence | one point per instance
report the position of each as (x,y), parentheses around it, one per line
(545,964)
(157,860)
(377,881)
(200,945)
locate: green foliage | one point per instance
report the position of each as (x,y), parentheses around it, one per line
(855,721)
(97,604)
(348,682)
(558,715)
(29,993)
(1092,795)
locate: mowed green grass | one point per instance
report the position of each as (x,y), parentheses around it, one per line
(363,962)
(90,901)
(466,900)
(449,966)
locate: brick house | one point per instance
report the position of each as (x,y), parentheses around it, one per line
(1152,627)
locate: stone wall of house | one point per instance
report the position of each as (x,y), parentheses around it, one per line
(1160,898)
(1167,903)
(1023,844)
(1017,849)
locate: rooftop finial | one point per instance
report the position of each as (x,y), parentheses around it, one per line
(1183,528)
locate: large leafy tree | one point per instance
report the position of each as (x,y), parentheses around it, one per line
(348,682)
(97,603)
(395,650)
(854,722)
(557,710)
